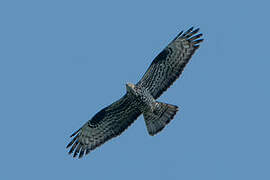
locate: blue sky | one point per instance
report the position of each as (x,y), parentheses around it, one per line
(62,61)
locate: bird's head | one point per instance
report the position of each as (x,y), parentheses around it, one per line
(131,88)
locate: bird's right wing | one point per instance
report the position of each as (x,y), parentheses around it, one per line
(106,124)
(170,62)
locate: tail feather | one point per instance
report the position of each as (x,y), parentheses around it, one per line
(160,117)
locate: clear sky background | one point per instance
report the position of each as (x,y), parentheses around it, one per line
(62,61)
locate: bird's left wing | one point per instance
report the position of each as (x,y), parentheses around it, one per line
(169,64)
(106,124)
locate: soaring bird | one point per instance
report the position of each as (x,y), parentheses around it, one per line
(140,98)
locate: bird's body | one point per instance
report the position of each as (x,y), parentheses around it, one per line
(143,98)
(140,98)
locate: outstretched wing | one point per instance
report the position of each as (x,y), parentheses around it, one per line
(106,124)
(169,64)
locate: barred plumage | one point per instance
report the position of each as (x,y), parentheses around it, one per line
(140,98)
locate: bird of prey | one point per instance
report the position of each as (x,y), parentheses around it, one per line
(140,98)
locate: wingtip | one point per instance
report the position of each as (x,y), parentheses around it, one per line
(81,154)
(197,30)
(75,133)
(195,37)
(198,41)
(87,151)
(69,144)
(188,31)
(70,152)
(191,28)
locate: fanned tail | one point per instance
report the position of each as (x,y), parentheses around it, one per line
(155,121)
